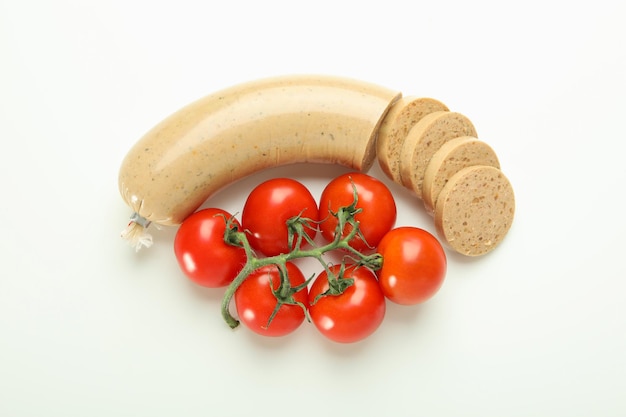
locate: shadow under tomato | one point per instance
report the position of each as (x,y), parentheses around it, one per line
(269,342)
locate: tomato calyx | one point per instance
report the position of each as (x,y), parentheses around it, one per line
(346,218)
(232,234)
(337,283)
(347,228)
(296,230)
(285,294)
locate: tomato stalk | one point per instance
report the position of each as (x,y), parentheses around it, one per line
(285,293)
(297,226)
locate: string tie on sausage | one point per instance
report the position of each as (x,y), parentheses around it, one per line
(136,232)
(140,220)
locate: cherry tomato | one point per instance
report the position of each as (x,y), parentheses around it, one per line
(352,315)
(255,301)
(201,252)
(267,209)
(414,265)
(378,206)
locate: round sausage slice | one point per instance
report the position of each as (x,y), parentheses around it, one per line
(475,210)
(453,156)
(424,139)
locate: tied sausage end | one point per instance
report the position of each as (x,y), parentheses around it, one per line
(136,233)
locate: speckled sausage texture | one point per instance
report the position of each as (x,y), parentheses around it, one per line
(453,156)
(424,139)
(475,210)
(404,114)
(221,138)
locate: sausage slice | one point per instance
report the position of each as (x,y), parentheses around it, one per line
(475,210)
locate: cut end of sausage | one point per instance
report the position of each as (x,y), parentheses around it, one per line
(475,210)
(404,114)
(371,151)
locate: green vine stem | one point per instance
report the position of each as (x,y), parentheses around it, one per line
(296,226)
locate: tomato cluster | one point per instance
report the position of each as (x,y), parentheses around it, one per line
(281,222)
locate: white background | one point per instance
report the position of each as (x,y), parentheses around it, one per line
(90,328)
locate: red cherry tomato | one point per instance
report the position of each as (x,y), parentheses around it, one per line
(255,301)
(267,209)
(374,198)
(354,314)
(414,265)
(201,252)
